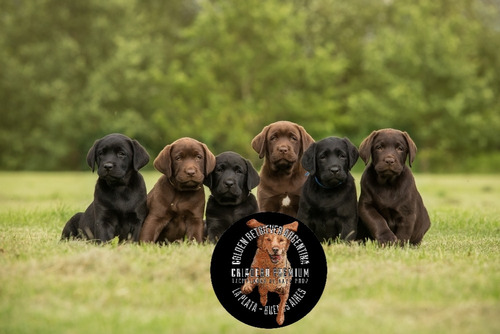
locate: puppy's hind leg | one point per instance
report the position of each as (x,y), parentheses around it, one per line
(280,318)
(71,228)
(263,295)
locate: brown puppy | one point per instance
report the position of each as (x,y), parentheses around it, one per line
(177,201)
(390,205)
(282,176)
(272,247)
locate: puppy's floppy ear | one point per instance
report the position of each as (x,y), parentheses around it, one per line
(163,162)
(309,159)
(92,155)
(305,139)
(292,226)
(259,142)
(353,153)
(412,148)
(252,223)
(253,178)
(365,149)
(209,160)
(208,180)
(141,156)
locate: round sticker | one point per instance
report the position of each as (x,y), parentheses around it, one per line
(268,270)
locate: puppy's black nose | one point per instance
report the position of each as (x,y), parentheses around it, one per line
(229,183)
(108,166)
(276,250)
(335,169)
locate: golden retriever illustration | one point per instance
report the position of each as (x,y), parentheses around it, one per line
(271,270)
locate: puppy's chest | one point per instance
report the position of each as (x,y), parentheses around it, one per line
(389,197)
(329,199)
(277,276)
(182,203)
(123,201)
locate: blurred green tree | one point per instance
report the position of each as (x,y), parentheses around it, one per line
(425,72)
(241,65)
(220,70)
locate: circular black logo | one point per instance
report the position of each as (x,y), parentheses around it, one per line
(268,270)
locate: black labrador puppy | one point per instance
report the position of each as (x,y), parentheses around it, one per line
(230,184)
(119,205)
(328,205)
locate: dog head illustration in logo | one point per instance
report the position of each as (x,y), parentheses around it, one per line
(271,270)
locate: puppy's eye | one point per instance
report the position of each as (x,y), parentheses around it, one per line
(273,137)
(122,155)
(294,138)
(178,158)
(219,169)
(199,157)
(268,239)
(238,170)
(322,157)
(400,149)
(342,156)
(378,147)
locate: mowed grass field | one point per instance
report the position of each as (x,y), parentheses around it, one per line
(450,284)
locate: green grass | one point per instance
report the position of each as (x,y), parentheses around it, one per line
(450,284)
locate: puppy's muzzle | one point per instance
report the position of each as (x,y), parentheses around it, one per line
(229,183)
(108,166)
(335,170)
(390,160)
(190,172)
(275,256)
(283,149)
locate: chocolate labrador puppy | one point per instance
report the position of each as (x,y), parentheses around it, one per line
(119,205)
(281,144)
(230,184)
(390,206)
(177,201)
(328,205)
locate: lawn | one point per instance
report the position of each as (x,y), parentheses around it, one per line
(450,284)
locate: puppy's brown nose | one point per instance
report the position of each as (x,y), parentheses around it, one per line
(389,161)
(283,149)
(190,171)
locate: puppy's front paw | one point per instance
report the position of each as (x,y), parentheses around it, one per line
(387,238)
(246,288)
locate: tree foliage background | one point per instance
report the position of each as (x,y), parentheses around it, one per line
(220,70)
